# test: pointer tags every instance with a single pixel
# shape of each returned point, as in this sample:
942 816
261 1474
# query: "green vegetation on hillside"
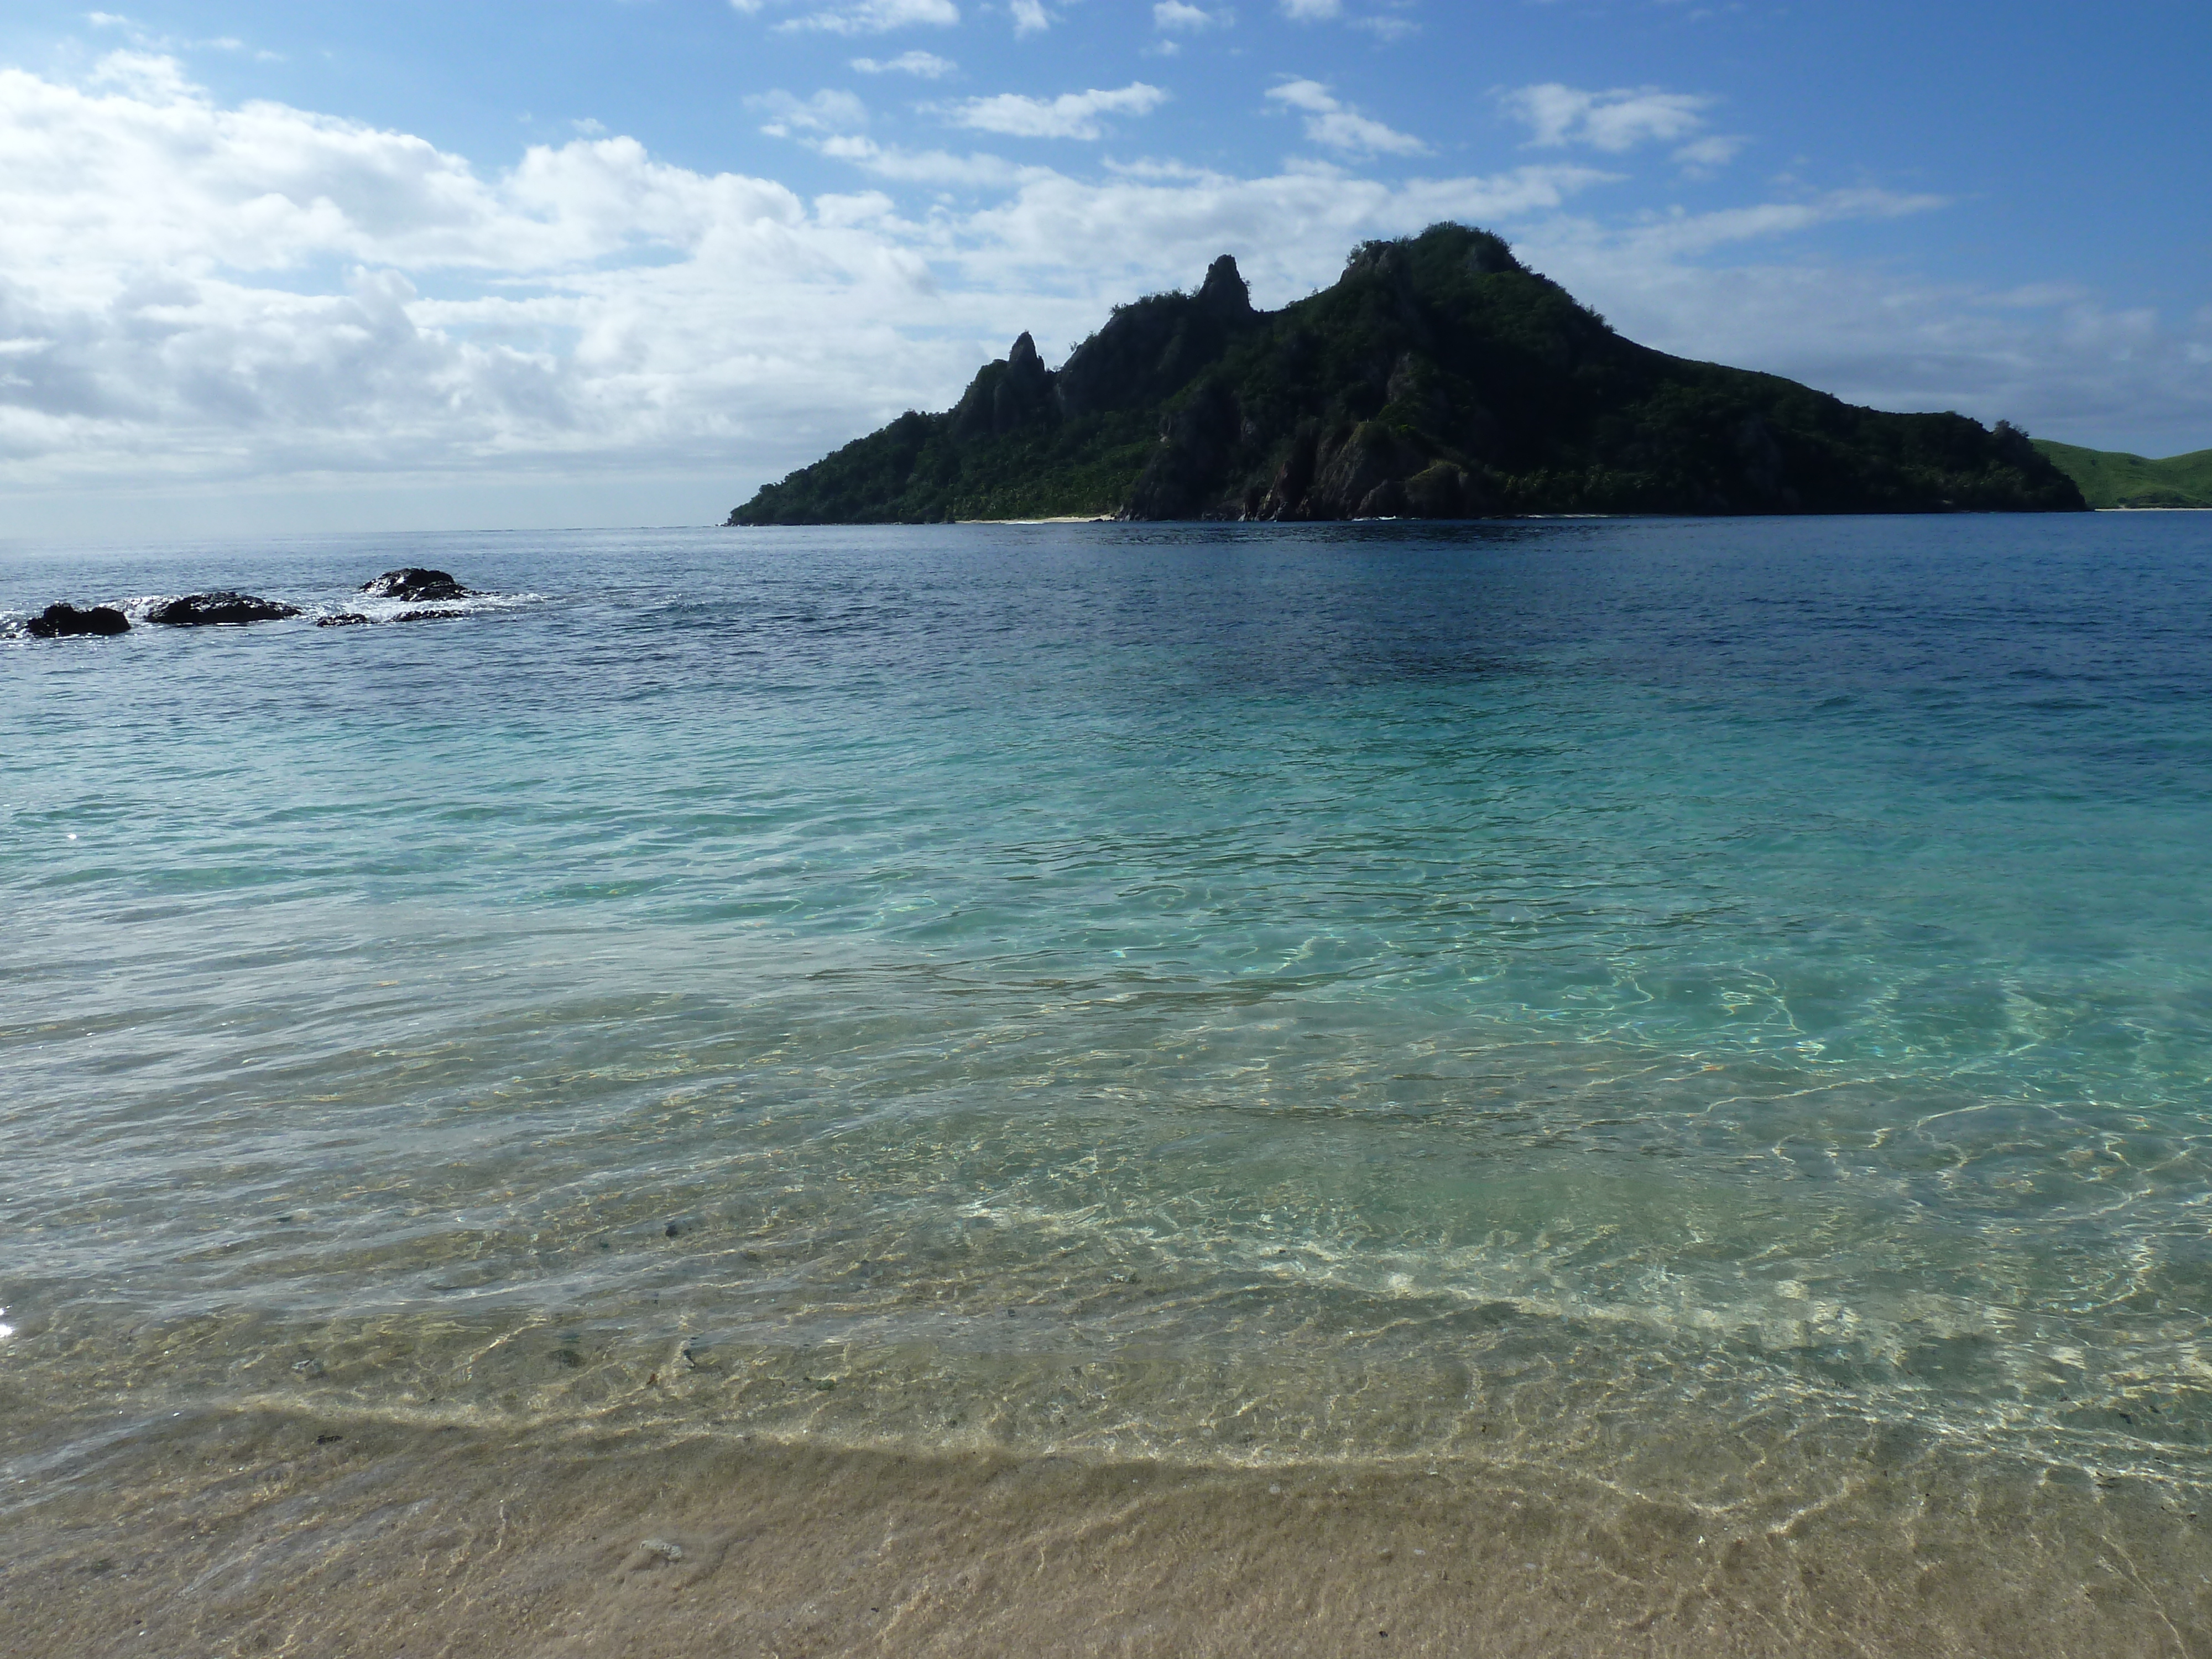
1438 378
2108 478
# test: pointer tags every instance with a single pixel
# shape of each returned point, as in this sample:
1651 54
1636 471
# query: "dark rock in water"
211 610
427 616
61 621
415 583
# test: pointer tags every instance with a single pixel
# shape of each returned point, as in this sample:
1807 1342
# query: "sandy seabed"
276 1534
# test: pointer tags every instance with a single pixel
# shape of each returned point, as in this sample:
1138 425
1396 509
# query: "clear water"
1691 1004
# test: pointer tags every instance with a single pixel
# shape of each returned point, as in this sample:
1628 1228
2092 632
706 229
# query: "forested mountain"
1438 378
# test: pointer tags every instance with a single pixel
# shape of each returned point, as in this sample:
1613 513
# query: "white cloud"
1388 27
1030 17
862 16
1707 155
2075 370
1290 232
1071 115
148 40
827 111
1680 235
1312 11
1178 17
926 65
976 171
1614 121
1341 127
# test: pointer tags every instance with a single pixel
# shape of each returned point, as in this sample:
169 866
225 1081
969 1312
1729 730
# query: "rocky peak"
1008 393
1025 370
1224 291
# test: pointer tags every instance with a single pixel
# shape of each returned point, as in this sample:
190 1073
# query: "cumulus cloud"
160 295
1312 11
1341 127
1030 17
1071 115
926 65
1616 121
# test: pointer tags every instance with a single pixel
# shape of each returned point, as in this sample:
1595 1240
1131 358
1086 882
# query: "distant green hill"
2108 478
1438 378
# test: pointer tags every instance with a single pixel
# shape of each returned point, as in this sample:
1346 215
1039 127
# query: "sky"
304 266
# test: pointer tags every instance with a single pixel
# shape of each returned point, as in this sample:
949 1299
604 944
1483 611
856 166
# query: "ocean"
1705 1020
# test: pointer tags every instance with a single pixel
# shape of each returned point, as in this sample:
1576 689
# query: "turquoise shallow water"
1682 1002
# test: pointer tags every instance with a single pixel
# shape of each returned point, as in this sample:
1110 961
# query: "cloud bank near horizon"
200 294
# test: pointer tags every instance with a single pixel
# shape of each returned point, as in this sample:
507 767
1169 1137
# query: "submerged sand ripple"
275 1534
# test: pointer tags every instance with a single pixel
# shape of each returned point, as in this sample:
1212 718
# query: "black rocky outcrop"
65 621
1437 377
415 583
219 608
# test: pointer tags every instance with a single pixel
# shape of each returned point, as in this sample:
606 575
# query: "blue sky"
310 266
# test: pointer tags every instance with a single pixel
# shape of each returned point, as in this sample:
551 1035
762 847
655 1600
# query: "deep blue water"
1653 991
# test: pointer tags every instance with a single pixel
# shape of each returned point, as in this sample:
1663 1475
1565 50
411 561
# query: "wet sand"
273 1533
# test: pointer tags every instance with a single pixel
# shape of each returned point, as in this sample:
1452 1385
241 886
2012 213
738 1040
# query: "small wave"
385 611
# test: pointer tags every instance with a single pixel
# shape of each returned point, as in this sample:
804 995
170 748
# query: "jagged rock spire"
1224 291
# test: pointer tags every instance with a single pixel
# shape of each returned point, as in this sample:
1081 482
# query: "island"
1438 378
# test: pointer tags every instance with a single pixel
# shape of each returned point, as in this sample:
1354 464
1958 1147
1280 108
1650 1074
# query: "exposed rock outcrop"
220 609
415 583
59 622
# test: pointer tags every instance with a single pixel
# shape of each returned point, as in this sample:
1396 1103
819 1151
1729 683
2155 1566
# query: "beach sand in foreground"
282 1534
